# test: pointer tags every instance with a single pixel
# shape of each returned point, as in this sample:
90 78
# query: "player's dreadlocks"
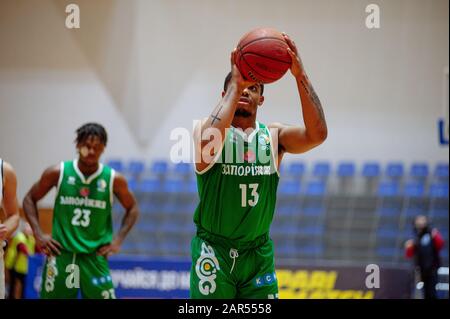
91 129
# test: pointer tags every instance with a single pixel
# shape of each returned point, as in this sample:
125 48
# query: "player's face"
90 150
250 100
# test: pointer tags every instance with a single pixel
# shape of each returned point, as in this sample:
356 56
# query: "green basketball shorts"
67 274
225 270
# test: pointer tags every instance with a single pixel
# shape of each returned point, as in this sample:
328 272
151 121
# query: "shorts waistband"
237 244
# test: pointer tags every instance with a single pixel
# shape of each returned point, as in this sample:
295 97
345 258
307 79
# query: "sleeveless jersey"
82 219
238 191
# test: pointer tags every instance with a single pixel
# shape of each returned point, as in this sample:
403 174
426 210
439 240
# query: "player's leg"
210 272
96 281
258 267
57 277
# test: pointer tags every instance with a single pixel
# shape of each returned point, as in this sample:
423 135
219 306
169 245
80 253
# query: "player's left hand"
3 231
110 249
296 66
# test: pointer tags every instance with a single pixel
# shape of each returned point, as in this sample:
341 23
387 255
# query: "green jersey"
238 191
82 218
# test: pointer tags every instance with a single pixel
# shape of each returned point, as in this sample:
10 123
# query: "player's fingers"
233 57
103 250
292 53
53 249
55 243
290 43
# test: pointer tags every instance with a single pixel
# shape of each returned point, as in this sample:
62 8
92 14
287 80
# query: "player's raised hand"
236 75
296 66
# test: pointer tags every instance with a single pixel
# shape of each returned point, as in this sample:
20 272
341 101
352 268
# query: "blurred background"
144 68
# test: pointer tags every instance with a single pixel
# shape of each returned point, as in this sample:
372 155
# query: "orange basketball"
262 55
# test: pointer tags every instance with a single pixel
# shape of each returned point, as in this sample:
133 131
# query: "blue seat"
387 252
419 171
183 168
117 207
286 249
414 189
150 185
313 209
346 169
289 229
282 169
159 167
387 233
144 226
317 230
296 169
170 208
444 233
388 189
289 187
394 170
116 164
439 190
190 187
284 209
173 186
371 169
310 250
132 184
170 248
171 228
149 207
322 169
441 171
315 188
414 210
136 167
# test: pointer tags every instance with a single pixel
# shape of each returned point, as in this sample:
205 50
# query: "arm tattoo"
216 117
314 98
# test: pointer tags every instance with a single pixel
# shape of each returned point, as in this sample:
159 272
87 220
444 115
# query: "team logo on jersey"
249 156
84 191
101 185
71 180
206 268
264 141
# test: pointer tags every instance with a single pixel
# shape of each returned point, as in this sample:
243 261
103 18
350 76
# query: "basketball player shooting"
232 254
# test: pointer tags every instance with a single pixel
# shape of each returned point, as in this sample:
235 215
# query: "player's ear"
223 93
261 100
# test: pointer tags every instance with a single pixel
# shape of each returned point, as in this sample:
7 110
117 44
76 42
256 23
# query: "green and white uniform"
232 254
82 222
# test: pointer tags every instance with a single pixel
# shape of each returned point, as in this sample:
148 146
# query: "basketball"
262 55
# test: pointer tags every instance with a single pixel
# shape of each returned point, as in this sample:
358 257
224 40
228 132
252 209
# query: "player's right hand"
48 245
236 75
3 231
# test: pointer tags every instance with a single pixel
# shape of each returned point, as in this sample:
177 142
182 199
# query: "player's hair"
91 129
228 79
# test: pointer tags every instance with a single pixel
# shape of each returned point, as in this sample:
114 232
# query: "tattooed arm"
210 133
298 139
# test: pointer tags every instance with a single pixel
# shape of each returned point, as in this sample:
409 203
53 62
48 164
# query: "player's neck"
87 170
244 123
